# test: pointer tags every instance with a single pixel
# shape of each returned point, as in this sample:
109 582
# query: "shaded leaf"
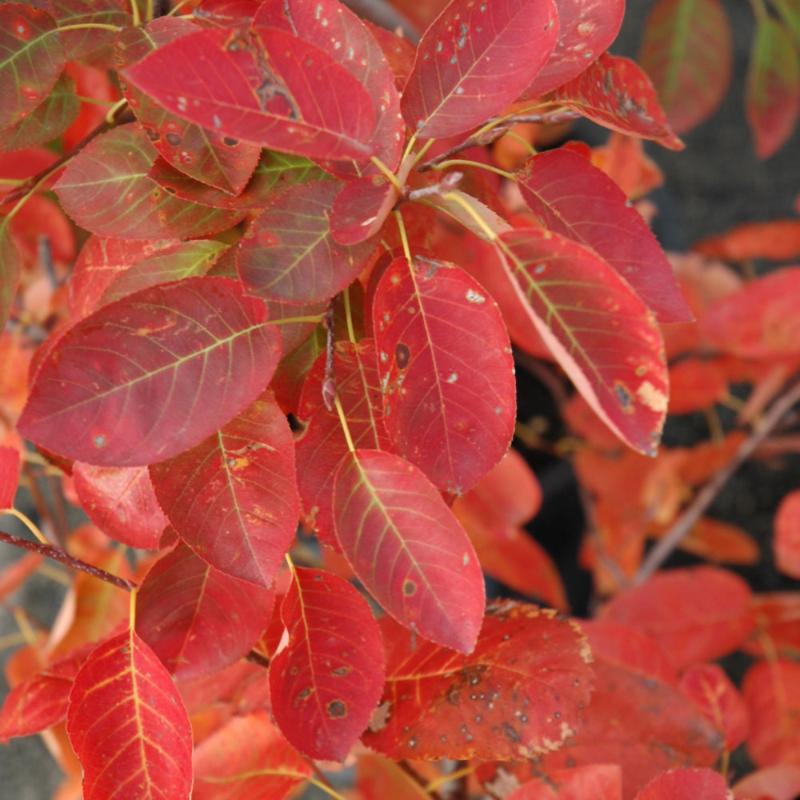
247 758
787 535
326 682
106 189
598 329
614 92
361 208
598 781
696 614
93 45
696 384
322 445
519 694
233 498
687 51
10 266
473 60
686 784
288 252
139 380
778 240
121 502
777 625
772 95
586 30
447 374
196 619
712 691
31 59
398 50
571 197
9 475
266 86
377 776
407 548
721 543
128 725
781 782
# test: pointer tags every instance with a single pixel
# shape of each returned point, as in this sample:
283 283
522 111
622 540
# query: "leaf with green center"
197 619
106 189
407 548
325 684
688 53
518 695
598 329
264 86
475 59
31 59
289 252
128 726
91 45
148 377
233 498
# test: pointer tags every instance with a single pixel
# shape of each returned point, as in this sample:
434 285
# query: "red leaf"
686 784
616 93
759 320
139 380
772 96
263 86
771 692
586 29
571 197
696 614
106 190
197 619
288 252
447 373
474 59
31 59
90 44
787 535
778 240
777 616
719 700
407 548
399 52
246 759
9 475
121 502
233 498
696 384
128 726
688 53
361 208
598 781
326 682
519 694
601 333
781 782
321 446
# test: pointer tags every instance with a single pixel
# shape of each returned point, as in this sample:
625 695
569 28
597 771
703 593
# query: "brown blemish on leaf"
409 587
402 355
337 709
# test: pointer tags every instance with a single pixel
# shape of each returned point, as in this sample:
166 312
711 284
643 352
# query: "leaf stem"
487 231
82 26
137 19
149 10
28 523
401 227
348 316
706 496
343 420
112 112
522 140
132 610
316 318
465 162
329 790
433 785
387 173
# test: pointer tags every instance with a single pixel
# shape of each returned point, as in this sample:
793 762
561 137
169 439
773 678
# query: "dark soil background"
714 184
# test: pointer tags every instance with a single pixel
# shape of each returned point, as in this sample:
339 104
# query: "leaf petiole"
465 162
401 227
27 522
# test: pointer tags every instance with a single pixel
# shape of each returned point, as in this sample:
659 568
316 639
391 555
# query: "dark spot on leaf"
230 141
173 139
409 587
337 709
152 134
623 396
340 672
402 355
510 732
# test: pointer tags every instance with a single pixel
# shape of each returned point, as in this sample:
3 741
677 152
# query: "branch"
706 496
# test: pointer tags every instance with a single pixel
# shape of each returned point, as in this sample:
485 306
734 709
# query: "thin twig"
706 496
418 779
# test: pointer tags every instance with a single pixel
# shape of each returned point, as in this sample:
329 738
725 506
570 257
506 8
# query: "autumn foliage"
266 269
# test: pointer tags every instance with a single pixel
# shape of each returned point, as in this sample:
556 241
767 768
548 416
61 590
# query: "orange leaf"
787 535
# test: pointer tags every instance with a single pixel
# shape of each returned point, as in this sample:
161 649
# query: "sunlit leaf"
624 160
9 475
696 614
196 619
106 189
128 725
616 93
121 502
288 252
265 86
686 784
571 197
519 694
447 374
326 682
321 445
474 60
772 97
598 329
233 497
598 781
407 548
787 535
586 30
688 53
245 759
147 377
31 59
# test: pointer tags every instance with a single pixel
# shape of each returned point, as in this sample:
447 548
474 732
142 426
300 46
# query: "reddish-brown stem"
706 496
